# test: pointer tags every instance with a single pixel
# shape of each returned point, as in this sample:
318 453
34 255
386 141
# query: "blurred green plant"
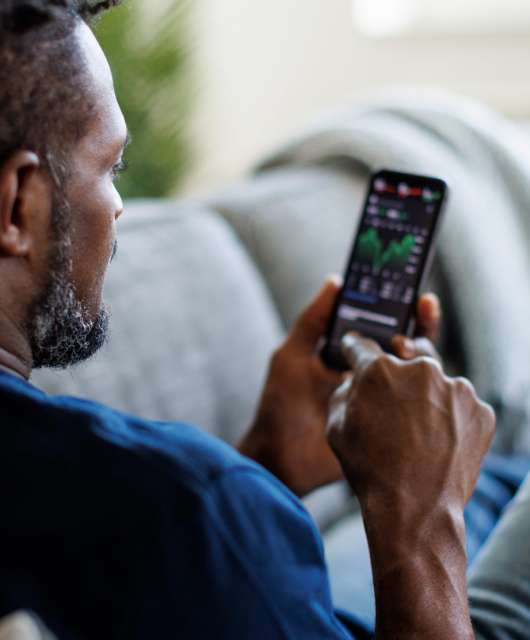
148 56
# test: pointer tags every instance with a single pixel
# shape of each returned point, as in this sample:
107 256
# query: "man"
115 527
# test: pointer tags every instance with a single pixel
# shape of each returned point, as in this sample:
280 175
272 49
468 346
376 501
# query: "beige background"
264 69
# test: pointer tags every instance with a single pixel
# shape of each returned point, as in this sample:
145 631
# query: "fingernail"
335 278
435 304
408 345
348 339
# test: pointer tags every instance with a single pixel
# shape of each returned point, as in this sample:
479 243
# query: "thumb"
428 316
313 321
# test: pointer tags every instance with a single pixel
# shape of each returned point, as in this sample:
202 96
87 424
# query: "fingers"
428 317
312 323
409 349
359 352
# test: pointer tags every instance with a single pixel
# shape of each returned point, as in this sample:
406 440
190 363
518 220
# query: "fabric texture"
499 584
192 326
483 256
150 530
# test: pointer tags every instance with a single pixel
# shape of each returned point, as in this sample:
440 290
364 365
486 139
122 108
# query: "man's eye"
118 169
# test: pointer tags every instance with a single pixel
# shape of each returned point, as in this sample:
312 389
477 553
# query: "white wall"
263 69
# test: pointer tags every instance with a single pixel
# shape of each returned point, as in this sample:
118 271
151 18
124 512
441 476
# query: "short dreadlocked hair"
44 104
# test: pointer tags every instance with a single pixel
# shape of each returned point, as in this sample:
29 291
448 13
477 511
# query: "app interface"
389 256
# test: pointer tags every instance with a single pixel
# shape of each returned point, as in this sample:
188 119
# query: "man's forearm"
259 450
419 574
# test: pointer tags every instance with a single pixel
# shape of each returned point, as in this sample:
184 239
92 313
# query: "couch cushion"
298 224
192 323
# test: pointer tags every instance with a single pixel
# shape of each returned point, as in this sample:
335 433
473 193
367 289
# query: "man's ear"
23 193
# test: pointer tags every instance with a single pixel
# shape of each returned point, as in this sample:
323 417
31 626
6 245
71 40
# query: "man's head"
62 136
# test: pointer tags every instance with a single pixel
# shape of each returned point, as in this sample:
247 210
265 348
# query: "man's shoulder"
115 442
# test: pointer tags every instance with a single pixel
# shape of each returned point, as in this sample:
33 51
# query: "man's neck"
14 365
15 351
11 372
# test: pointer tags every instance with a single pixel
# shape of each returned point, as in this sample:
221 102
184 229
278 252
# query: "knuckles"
385 369
380 369
489 413
465 388
489 419
427 366
485 415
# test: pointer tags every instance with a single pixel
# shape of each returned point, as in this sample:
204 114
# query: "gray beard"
60 328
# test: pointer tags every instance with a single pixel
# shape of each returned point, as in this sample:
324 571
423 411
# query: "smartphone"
389 262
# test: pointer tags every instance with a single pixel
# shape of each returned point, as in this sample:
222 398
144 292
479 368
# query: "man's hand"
411 441
288 436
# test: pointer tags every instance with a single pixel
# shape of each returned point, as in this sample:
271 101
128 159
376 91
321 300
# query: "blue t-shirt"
115 527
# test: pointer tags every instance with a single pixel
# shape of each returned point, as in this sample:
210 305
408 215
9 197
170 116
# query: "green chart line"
396 253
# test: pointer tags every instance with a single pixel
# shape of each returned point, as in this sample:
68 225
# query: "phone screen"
389 258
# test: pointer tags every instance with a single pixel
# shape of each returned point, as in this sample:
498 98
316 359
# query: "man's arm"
411 441
419 572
